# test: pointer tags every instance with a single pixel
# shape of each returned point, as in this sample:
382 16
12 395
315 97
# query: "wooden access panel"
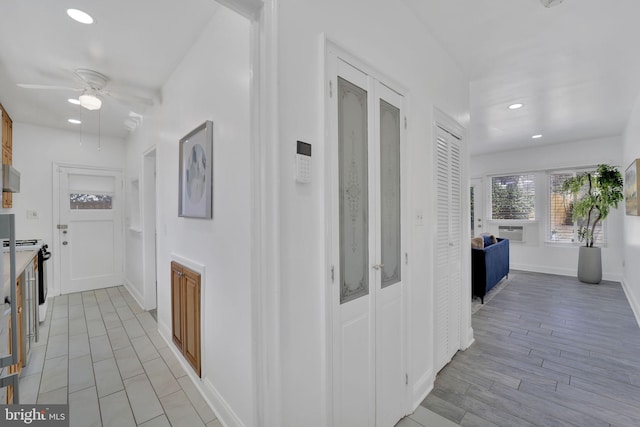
191 303
185 313
176 304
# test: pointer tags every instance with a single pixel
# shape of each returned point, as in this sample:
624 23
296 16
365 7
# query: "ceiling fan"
94 90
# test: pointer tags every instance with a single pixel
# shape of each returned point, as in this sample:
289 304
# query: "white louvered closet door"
448 255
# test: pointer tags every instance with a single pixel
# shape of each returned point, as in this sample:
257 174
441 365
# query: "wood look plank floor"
549 351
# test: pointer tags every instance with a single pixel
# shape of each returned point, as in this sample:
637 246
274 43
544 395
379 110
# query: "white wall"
631 246
386 35
35 149
211 83
535 254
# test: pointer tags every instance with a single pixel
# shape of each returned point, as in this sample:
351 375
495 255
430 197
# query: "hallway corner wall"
631 248
211 83
387 36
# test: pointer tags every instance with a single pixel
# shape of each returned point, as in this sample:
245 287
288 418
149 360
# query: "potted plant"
595 193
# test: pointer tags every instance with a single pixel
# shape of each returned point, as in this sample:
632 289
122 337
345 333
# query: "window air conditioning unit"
515 233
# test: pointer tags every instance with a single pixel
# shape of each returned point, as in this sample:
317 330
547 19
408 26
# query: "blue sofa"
488 266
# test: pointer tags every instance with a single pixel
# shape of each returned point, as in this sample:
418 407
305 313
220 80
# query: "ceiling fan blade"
49 87
131 99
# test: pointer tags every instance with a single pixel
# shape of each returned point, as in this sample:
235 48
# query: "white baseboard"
633 301
469 341
214 399
134 293
571 272
422 388
225 414
543 269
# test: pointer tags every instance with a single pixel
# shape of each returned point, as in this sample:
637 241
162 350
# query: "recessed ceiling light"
515 106
80 16
536 136
74 121
74 101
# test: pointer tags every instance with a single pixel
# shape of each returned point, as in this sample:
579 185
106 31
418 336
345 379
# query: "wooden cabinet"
18 367
185 313
176 304
7 151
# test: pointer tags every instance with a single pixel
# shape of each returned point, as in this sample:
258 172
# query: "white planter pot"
590 265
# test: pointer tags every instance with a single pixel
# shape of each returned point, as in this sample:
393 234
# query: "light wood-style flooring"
549 351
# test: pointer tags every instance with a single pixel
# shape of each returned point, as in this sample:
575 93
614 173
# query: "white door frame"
478 208
55 180
331 49
149 220
265 209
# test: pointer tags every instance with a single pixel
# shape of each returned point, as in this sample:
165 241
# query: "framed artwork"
631 184
196 173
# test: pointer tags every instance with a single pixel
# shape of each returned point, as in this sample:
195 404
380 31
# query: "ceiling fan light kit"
550 3
90 102
80 16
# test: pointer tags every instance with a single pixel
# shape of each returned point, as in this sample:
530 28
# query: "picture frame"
195 199
631 185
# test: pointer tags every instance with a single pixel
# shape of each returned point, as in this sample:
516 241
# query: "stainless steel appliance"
43 257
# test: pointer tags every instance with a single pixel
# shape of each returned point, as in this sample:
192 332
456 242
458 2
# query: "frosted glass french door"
369 370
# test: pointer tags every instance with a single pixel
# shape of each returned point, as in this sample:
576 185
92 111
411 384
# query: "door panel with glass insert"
368 307
90 229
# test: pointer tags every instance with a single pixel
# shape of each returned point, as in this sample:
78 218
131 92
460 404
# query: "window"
562 227
513 197
90 201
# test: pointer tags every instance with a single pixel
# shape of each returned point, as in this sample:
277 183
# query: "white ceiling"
576 66
136 44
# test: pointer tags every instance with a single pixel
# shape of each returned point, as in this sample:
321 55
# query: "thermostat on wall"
303 162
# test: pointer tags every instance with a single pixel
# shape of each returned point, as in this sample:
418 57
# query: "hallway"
101 353
549 350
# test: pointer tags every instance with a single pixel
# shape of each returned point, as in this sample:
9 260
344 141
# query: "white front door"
89 229
368 302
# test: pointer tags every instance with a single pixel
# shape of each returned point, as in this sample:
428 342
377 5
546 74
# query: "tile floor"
101 353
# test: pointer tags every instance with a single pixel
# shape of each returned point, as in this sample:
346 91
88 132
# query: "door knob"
378 266
65 243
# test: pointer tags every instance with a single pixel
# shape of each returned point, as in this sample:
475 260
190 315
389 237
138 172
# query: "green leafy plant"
595 193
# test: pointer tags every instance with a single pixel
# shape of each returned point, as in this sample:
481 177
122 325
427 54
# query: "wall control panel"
303 162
